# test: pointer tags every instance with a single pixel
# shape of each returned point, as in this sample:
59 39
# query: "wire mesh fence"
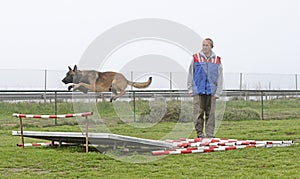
247 95
51 80
240 104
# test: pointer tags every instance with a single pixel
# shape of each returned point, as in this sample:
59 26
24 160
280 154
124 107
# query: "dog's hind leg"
117 95
114 93
119 84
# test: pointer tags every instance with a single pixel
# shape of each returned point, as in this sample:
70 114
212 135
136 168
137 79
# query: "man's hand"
215 97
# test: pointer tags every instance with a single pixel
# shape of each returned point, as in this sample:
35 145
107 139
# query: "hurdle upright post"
21 127
86 135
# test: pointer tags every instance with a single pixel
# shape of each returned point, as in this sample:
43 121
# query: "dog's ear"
70 68
75 68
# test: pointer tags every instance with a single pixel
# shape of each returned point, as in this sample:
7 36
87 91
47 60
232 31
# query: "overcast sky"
255 36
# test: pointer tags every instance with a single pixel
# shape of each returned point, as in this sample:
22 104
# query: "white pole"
45 85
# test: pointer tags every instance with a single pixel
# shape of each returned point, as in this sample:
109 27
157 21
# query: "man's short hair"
211 41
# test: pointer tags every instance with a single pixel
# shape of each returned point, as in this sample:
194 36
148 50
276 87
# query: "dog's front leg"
75 86
80 88
84 87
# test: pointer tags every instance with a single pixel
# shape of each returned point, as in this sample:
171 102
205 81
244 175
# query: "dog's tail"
140 84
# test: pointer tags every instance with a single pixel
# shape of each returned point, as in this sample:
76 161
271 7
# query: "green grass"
272 109
73 162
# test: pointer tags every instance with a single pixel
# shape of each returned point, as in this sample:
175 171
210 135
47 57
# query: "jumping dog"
91 80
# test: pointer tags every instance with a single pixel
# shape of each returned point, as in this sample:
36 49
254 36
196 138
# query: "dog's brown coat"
91 80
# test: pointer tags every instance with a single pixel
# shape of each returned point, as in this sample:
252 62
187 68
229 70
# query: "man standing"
205 84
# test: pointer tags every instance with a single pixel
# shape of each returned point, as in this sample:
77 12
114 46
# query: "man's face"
206 46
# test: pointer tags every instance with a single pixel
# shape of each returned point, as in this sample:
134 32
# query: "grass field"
73 162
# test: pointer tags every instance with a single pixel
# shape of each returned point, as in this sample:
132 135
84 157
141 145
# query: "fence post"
45 84
45 98
170 80
55 106
296 79
134 109
262 105
241 84
131 78
241 81
170 84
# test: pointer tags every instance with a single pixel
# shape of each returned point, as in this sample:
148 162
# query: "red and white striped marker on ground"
219 142
203 145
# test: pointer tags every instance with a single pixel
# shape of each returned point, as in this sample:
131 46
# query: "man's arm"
220 81
190 79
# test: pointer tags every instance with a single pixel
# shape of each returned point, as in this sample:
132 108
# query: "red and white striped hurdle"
84 114
204 145
34 144
42 144
53 116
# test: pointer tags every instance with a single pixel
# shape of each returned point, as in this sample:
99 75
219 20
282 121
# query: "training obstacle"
84 114
204 145
180 146
97 139
78 138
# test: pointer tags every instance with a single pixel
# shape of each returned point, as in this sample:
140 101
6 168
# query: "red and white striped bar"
220 142
42 144
53 116
203 149
34 144
203 145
